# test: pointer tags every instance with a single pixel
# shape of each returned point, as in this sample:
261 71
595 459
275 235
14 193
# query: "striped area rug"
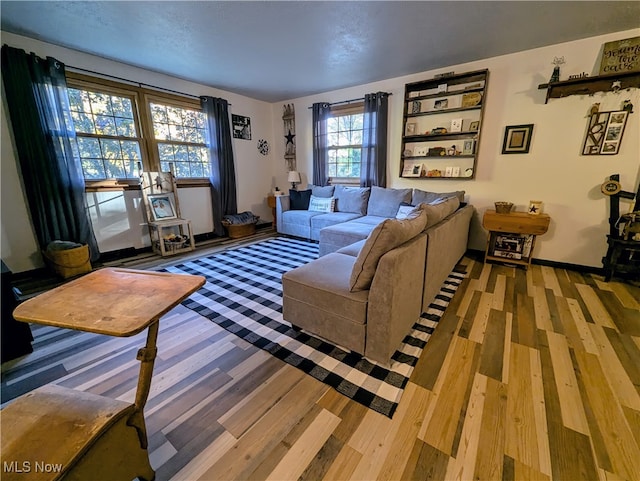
243 294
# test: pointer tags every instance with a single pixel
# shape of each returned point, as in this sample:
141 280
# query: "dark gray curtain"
373 166
36 93
223 173
321 112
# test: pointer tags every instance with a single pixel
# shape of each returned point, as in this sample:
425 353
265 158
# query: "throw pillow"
322 204
387 235
385 202
299 199
440 210
322 191
405 210
352 199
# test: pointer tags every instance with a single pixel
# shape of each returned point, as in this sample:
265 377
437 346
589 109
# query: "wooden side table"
85 435
271 202
512 236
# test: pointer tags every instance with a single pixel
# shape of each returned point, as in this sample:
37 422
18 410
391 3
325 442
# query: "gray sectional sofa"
377 273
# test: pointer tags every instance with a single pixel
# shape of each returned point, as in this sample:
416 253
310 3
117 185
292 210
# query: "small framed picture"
416 107
420 151
473 126
517 139
468 147
442 88
441 104
410 128
162 206
456 125
411 170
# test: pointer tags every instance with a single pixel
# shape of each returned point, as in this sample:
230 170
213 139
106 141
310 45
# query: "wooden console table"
512 236
80 435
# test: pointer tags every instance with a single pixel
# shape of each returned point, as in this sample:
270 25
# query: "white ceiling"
276 51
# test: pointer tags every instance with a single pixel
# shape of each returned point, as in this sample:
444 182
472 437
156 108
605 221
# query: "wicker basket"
240 230
69 262
503 207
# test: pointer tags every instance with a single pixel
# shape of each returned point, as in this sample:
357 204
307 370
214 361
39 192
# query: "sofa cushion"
325 282
352 199
385 202
321 191
322 204
299 217
373 220
299 199
440 210
352 249
386 236
424 197
340 235
329 219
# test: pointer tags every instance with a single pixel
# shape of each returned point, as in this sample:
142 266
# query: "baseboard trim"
479 255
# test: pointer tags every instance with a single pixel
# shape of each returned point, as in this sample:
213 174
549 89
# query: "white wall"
117 225
553 171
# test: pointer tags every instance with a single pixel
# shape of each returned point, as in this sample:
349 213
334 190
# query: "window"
180 136
344 136
107 134
118 126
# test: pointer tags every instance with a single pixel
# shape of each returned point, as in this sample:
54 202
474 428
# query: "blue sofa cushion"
385 202
352 199
299 199
321 191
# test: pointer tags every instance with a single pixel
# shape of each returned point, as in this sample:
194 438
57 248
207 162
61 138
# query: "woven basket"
69 262
503 207
240 230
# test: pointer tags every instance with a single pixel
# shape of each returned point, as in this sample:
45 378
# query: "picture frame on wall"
604 133
517 139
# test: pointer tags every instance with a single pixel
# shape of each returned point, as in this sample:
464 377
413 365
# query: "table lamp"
294 178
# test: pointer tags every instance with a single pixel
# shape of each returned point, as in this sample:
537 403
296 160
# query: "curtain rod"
139 84
349 101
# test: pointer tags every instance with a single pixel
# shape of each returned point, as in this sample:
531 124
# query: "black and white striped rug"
243 294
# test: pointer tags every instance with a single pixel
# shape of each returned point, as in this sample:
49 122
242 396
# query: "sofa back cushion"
438 210
424 197
322 204
352 199
321 191
388 235
385 202
299 199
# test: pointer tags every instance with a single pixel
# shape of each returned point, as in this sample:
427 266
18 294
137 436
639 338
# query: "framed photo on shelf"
410 128
162 206
411 170
441 104
473 126
456 125
468 147
420 151
517 139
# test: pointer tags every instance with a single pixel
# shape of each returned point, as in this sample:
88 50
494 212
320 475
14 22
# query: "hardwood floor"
529 375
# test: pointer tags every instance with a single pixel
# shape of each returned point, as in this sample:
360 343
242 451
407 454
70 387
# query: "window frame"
342 111
141 98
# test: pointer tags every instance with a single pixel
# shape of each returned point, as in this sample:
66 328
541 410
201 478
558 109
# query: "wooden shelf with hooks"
590 85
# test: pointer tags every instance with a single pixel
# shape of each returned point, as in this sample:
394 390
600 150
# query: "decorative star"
289 137
533 209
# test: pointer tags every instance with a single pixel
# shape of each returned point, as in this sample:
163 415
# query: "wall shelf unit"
590 85
441 126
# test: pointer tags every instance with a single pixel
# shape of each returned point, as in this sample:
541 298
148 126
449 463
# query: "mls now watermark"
30 467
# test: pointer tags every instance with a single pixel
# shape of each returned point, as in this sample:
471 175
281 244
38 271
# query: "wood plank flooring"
530 375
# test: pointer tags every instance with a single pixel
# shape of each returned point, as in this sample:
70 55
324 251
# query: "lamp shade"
294 176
